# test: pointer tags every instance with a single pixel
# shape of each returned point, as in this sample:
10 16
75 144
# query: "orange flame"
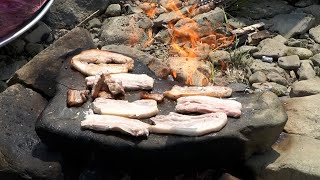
150 40
151 12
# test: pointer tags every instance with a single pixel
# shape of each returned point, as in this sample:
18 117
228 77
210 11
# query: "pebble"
257 77
219 55
38 33
94 23
289 62
113 10
33 48
303 53
306 70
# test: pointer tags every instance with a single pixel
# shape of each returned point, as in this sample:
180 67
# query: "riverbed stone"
315 33
113 10
303 115
289 62
22 154
303 53
316 59
257 77
277 78
306 70
271 47
41 71
293 157
36 35
126 30
276 88
257 129
293 24
219 55
305 87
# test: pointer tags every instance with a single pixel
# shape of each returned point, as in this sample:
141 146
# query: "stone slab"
294 157
22 155
303 115
261 123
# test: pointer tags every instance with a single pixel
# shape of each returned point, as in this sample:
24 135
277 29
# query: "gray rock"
278 89
271 48
8 70
293 76
165 18
40 73
314 10
17 45
257 77
303 53
290 25
219 55
289 62
266 68
303 115
213 17
316 59
277 78
263 120
238 87
306 70
38 33
293 157
315 33
156 65
94 23
34 48
3 86
305 88
263 9
126 30
245 49
23 156
113 10
305 3
66 14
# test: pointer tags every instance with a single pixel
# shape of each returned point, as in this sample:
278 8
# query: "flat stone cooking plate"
259 126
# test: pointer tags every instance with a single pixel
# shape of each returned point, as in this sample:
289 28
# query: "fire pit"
255 131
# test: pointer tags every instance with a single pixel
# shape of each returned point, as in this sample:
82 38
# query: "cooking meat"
114 86
213 91
94 61
76 97
97 86
115 123
188 125
104 94
155 96
138 109
206 104
128 81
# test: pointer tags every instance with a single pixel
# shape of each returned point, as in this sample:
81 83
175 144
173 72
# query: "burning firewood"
77 97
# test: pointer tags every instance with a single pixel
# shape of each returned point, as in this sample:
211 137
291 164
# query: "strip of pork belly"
115 123
187 125
139 109
127 80
104 57
205 104
212 91
90 69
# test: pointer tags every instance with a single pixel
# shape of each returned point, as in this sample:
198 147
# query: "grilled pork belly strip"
138 109
105 83
187 125
128 81
205 104
155 96
213 91
76 97
115 123
94 61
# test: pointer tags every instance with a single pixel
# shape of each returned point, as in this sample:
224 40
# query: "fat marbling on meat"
188 125
137 109
115 123
206 104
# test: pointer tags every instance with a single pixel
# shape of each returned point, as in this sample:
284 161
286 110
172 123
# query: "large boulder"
22 154
66 14
40 73
294 157
263 118
303 115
